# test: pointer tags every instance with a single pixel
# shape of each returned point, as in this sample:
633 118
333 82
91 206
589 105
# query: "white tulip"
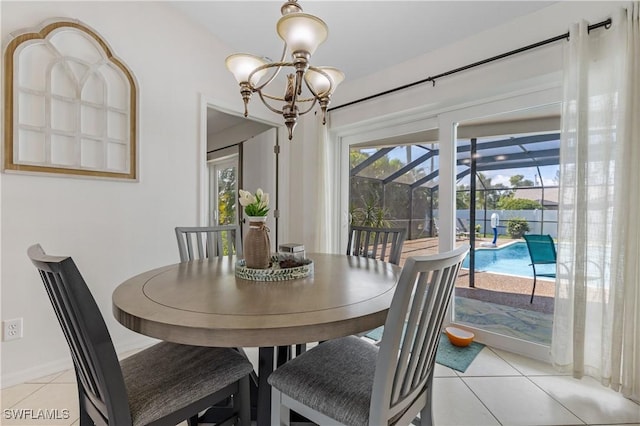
255 203
246 198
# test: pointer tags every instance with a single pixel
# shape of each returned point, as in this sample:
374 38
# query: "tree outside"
227 210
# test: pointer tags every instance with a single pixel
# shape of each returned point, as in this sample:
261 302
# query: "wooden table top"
204 303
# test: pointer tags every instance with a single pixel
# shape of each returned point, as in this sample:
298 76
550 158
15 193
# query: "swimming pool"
511 260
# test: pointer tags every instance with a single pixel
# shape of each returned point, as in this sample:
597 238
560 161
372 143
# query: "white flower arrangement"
254 205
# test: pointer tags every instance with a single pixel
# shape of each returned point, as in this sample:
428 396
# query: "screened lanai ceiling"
417 163
420 162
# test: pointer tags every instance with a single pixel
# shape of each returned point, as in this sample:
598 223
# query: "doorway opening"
224 134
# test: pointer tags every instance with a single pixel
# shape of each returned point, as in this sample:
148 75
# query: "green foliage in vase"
254 205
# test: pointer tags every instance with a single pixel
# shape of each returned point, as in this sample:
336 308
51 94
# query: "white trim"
36 372
521 101
510 344
344 139
62 364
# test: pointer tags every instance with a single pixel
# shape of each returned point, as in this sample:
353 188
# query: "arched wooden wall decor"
70 104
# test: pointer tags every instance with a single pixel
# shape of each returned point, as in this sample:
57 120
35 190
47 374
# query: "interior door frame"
260 115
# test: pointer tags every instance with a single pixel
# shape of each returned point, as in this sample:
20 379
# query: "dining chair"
202 242
164 384
378 243
542 251
353 382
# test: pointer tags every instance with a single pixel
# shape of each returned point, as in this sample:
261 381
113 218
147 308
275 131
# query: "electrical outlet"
12 329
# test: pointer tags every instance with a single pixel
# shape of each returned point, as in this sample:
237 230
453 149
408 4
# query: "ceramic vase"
257 246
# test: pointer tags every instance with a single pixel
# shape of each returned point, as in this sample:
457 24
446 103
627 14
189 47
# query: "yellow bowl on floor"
458 336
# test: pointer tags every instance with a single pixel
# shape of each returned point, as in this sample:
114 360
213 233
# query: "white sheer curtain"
596 328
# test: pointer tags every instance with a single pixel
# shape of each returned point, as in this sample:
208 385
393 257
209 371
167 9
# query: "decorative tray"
282 268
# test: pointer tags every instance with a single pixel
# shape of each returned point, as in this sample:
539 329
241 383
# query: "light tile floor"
499 388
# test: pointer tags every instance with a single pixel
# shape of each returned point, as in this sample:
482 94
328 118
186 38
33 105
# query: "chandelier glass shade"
306 85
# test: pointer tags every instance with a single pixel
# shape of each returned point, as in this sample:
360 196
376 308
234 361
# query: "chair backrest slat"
72 331
404 367
542 249
94 357
54 289
209 241
378 243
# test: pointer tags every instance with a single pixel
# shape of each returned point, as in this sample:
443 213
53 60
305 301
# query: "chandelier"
302 33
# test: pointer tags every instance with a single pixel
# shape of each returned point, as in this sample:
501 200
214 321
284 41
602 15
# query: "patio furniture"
463 228
202 242
542 251
161 385
377 243
204 303
353 382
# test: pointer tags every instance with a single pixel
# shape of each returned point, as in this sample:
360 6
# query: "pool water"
511 260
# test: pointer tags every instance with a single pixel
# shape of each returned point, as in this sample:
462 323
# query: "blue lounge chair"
542 251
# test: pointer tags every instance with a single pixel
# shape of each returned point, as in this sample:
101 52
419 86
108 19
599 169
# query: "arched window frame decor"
80 116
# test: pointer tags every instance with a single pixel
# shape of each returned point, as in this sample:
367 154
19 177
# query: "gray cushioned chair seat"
162 367
334 378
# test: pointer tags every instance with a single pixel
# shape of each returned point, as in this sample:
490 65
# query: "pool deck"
496 288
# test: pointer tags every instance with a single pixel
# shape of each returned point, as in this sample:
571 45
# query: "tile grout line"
536 385
481 401
559 402
42 385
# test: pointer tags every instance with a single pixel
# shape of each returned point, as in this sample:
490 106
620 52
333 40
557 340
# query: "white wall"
113 230
258 171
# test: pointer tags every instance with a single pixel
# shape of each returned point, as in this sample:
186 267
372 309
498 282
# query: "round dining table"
204 303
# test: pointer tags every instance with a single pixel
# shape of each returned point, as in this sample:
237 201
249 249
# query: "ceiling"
364 36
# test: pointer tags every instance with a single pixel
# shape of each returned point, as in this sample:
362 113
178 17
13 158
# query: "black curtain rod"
432 79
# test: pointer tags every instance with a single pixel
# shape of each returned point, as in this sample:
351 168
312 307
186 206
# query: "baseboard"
62 364
34 373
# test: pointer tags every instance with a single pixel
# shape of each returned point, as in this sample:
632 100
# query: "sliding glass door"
506 174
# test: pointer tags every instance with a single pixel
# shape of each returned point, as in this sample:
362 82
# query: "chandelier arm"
279 65
310 107
279 98
277 70
267 104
